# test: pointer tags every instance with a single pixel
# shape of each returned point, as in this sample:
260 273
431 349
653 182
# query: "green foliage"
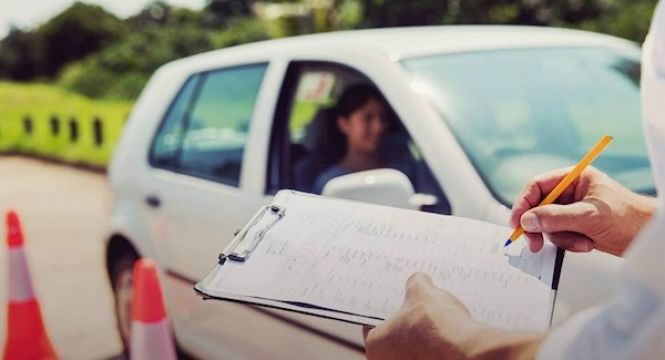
121 70
21 56
381 13
220 12
41 103
76 32
240 31
92 52
627 19
73 34
624 18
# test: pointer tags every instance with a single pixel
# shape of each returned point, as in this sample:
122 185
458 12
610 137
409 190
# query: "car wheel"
121 280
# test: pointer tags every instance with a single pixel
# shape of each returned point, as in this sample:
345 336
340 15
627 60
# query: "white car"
476 111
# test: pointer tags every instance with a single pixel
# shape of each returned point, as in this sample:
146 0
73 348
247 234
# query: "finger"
575 217
366 330
419 278
571 241
535 241
376 338
534 192
418 286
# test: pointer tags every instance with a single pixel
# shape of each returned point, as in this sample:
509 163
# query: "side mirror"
382 186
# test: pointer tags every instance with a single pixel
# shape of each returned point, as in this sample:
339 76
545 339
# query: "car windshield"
521 112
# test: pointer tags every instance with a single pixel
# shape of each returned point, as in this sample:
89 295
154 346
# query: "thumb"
366 330
418 287
556 218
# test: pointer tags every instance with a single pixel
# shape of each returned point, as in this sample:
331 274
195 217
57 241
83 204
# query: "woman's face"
364 128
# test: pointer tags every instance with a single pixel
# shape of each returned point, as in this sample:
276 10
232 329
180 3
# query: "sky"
28 14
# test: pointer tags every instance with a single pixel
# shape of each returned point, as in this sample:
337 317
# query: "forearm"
493 343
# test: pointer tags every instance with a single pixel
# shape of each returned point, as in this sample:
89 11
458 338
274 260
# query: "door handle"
153 201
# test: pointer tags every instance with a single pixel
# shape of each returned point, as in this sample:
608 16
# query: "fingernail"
530 222
582 246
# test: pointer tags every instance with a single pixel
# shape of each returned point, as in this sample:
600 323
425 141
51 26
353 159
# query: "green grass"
41 102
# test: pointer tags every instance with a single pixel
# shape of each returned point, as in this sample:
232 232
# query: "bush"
121 70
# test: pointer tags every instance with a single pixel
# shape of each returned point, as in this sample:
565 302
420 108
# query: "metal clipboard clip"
249 237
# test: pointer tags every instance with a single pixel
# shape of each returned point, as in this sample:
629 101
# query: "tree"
153 14
219 12
382 13
623 18
20 55
77 32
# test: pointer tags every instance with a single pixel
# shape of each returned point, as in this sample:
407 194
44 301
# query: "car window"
218 123
312 146
315 90
542 109
167 141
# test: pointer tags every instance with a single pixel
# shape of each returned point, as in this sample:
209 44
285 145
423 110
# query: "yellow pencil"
566 181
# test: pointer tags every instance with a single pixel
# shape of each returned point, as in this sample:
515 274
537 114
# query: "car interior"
301 150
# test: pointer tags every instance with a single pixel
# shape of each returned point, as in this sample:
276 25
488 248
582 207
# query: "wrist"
646 206
643 207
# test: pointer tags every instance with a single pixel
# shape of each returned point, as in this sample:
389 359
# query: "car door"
197 189
197 197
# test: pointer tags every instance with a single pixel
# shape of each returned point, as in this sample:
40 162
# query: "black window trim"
278 152
162 123
184 122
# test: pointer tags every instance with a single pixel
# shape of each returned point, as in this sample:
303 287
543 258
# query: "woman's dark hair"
355 96
334 142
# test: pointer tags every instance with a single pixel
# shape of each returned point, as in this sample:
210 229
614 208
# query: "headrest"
322 131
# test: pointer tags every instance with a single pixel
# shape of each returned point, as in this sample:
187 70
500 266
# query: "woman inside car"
361 119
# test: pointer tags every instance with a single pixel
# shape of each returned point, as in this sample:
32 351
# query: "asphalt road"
63 211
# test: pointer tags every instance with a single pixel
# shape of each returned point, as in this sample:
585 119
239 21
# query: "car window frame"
184 122
279 139
162 122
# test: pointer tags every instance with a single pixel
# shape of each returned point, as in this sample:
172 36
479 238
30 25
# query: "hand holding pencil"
594 211
566 181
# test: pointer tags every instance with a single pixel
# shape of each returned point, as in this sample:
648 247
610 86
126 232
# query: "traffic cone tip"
147 302
14 233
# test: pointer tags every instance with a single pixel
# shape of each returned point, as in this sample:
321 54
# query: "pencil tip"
507 243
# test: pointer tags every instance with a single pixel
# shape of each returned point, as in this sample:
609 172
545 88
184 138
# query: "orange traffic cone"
150 334
26 334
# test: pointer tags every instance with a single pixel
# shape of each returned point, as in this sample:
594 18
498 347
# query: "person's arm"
434 324
595 212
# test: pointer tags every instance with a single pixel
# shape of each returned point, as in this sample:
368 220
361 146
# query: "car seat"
324 145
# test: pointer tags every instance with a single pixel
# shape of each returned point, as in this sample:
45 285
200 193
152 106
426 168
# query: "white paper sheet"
355 258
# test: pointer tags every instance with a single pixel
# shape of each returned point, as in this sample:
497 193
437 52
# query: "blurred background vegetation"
86 65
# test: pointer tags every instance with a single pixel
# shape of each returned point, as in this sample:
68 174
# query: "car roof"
407 42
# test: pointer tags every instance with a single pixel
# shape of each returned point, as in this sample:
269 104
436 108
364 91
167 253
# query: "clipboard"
247 240
240 249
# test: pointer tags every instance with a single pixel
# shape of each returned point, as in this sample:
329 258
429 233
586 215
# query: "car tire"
121 281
